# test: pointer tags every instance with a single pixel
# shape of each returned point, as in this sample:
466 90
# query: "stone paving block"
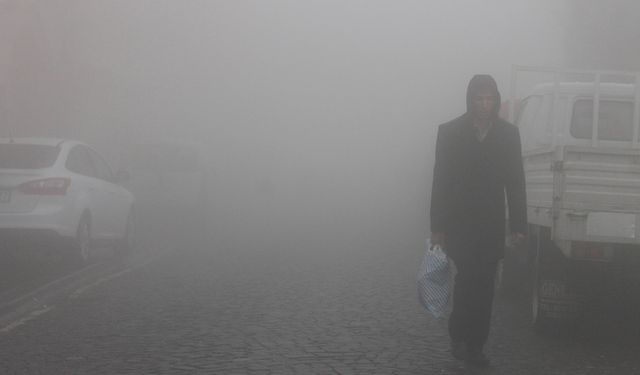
354 312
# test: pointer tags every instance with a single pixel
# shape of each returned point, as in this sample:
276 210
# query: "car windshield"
26 156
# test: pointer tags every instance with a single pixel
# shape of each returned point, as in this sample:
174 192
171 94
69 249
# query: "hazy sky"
319 55
319 114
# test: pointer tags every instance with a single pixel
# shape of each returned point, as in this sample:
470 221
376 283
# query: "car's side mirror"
123 176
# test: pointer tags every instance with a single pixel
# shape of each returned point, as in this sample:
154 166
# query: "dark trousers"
470 318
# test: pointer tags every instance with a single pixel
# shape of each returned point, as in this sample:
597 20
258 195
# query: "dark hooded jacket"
470 181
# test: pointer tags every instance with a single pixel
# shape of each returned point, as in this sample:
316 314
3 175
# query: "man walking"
478 160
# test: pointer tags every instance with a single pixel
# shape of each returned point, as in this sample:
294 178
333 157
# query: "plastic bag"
434 282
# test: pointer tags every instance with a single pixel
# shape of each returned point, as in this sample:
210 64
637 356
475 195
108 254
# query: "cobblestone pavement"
338 311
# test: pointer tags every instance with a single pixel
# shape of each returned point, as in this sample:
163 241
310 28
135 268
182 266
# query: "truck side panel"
593 193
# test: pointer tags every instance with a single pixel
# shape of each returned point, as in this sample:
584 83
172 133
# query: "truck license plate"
611 224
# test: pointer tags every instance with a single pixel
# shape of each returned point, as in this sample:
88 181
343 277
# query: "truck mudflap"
555 302
565 290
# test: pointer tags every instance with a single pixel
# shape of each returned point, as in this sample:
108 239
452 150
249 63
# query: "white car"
55 191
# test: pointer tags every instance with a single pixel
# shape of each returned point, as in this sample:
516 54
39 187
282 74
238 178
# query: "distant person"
478 159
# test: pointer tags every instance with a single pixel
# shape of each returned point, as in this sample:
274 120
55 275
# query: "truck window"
615 120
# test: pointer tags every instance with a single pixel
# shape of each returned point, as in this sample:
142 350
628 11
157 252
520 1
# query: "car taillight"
46 186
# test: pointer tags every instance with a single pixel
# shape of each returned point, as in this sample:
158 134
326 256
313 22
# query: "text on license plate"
5 196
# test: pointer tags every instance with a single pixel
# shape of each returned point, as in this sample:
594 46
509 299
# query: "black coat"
469 184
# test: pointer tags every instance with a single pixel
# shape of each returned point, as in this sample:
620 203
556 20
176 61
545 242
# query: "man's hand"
437 238
517 239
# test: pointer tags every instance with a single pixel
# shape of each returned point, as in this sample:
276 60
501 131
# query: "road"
197 309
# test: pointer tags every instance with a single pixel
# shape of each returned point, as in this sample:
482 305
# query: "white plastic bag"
434 282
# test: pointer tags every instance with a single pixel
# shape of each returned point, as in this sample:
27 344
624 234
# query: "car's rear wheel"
82 243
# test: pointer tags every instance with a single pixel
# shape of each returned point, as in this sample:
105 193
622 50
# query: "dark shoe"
477 358
459 350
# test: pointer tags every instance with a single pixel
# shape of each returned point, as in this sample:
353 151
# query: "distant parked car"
169 179
56 191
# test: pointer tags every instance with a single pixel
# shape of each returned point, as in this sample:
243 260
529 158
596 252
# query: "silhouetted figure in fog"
478 159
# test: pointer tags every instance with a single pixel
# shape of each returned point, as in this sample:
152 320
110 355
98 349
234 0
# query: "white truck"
581 154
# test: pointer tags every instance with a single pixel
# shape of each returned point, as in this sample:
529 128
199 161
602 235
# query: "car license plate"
5 196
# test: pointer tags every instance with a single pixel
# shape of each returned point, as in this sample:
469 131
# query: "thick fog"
318 116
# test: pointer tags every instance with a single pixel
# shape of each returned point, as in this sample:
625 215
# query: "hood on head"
481 82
